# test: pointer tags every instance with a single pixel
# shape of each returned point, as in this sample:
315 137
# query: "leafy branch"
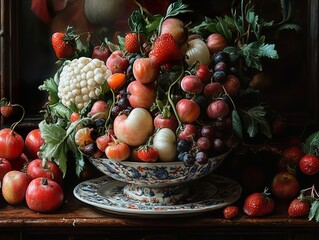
244 30
58 141
253 119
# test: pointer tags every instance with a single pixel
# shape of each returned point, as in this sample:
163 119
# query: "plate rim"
149 212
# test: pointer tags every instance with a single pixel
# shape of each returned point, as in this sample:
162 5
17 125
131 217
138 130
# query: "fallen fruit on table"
299 208
5 166
285 186
44 195
231 212
259 204
47 169
13 187
33 142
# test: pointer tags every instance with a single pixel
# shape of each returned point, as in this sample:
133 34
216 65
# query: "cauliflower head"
80 81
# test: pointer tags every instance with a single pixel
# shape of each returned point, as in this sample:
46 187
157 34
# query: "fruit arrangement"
291 187
168 90
24 177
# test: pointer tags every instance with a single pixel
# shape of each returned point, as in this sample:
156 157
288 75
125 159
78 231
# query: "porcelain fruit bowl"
156 183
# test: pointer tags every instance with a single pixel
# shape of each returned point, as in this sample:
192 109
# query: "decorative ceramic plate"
209 193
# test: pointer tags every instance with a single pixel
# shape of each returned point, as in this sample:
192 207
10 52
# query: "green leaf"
59 109
55 147
254 121
314 211
137 22
252 19
233 52
310 146
237 125
79 162
153 23
222 28
176 8
254 51
51 87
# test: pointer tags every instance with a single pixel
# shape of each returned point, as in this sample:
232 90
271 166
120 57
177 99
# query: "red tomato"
50 170
11 144
117 151
38 193
33 142
74 117
147 154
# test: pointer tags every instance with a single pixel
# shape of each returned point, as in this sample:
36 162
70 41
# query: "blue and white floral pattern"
206 194
156 174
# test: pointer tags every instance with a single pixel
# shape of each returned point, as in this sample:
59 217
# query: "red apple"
169 122
49 169
5 166
145 70
141 95
285 186
20 163
175 27
134 129
33 142
14 186
116 62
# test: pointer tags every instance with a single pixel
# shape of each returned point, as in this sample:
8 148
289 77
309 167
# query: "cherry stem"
13 126
229 97
171 101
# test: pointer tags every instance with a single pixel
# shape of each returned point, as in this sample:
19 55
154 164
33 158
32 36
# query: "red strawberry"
259 204
165 49
309 164
230 212
64 43
133 42
299 208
